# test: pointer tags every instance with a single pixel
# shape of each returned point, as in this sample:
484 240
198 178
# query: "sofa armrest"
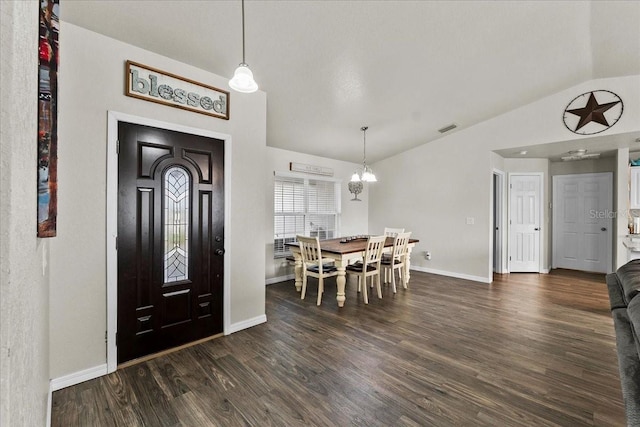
616 296
629 278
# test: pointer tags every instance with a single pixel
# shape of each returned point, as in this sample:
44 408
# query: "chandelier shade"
242 80
366 173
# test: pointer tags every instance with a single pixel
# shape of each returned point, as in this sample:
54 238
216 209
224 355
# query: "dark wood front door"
170 239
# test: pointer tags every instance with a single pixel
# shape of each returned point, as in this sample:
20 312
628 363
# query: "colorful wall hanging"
48 118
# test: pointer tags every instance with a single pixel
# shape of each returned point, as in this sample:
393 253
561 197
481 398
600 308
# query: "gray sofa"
624 296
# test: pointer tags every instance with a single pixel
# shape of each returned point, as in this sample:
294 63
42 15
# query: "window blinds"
307 206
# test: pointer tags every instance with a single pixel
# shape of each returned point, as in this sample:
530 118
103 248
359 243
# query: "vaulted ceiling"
404 68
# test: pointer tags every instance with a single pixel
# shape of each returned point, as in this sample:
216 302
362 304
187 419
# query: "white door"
582 222
524 223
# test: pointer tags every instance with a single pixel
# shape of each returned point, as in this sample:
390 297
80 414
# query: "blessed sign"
165 88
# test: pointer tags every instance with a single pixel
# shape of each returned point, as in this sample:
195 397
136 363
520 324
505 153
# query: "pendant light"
242 80
366 174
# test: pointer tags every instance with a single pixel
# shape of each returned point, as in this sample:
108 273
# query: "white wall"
24 276
354 216
433 188
92 83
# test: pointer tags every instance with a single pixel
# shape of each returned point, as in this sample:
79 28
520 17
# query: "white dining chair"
397 260
312 265
370 266
390 232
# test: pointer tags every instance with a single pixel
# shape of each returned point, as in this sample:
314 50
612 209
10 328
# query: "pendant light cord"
364 145
243 32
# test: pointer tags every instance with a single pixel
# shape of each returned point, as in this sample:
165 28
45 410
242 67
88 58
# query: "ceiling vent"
448 128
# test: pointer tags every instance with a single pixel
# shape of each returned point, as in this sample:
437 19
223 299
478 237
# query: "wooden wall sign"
154 85
317 170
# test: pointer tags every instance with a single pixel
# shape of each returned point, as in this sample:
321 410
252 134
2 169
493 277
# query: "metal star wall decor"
593 112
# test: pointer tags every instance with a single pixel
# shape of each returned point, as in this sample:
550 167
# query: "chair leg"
304 286
393 280
378 282
359 285
364 290
320 290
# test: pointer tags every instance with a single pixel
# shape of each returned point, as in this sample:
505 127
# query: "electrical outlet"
471 220
427 255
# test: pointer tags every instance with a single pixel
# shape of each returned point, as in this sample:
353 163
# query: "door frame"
113 117
541 213
497 201
554 237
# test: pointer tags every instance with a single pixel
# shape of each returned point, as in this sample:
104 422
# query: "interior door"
582 222
170 239
524 223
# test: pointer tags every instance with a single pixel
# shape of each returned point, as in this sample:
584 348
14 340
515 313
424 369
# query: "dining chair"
397 260
312 264
370 266
390 232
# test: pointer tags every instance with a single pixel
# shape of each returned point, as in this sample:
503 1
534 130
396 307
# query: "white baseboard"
78 377
452 274
247 323
280 279
545 271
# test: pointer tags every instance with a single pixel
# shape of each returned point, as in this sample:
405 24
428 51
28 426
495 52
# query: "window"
307 206
176 224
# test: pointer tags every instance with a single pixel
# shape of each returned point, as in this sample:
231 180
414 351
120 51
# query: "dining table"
342 251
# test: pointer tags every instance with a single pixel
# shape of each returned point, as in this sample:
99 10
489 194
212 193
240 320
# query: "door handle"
536 229
219 251
603 229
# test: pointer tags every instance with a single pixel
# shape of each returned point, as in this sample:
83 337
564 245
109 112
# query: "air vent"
448 128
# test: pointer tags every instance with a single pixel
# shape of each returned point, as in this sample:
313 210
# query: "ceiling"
404 68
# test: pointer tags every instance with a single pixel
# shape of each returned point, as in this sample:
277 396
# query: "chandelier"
242 80
365 174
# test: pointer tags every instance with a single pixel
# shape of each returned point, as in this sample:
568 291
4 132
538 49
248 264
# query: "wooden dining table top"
356 245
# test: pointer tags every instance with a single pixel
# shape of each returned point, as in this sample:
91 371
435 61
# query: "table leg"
341 281
298 271
407 263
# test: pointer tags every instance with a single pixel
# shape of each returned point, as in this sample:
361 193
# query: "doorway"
194 164
497 224
525 219
582 235
170 239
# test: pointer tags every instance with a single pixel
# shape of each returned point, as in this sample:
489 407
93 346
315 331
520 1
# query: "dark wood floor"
528 350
